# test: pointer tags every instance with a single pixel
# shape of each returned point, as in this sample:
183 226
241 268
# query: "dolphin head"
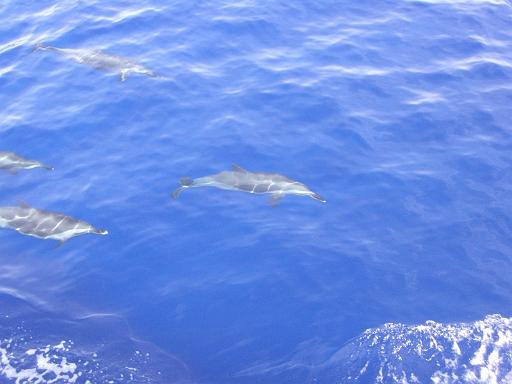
300 189
316 196
99 231
36 164
95 231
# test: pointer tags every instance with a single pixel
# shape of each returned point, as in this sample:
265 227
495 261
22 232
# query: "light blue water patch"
397 114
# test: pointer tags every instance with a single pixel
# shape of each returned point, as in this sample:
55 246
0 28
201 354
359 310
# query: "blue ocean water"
397 112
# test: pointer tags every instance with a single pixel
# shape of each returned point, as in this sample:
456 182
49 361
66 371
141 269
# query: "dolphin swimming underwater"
240 179
100 60
44 224
12 163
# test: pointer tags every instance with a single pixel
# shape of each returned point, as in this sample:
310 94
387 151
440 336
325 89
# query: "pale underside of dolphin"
100 60
44 224
12 163
242 180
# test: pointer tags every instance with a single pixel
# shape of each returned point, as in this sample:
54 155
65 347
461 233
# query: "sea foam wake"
65 355
477 352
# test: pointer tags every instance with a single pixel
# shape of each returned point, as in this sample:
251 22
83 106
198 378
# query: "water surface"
398 114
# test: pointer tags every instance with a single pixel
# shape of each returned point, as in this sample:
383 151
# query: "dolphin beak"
316 196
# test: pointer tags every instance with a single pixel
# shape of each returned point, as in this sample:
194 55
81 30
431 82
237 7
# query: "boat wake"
477 352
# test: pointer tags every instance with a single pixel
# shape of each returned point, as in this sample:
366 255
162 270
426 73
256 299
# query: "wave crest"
477 352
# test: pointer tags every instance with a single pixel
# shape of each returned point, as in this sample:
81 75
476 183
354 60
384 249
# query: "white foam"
24 360
477 352
47 365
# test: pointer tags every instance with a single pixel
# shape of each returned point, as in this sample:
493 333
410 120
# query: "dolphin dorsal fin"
237 168
23 204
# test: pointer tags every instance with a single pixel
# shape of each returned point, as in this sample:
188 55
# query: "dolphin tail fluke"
177 192
186 182
275 199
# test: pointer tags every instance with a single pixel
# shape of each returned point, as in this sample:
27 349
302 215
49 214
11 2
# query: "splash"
477 352
27 359
38 365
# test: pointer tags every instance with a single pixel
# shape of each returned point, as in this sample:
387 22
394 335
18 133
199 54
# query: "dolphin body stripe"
44 224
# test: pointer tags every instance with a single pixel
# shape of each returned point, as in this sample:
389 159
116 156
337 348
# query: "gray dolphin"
44 224
100 60
240 179
12 163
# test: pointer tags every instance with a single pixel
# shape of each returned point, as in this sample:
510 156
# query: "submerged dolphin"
100 60
44 224
12 163
240 179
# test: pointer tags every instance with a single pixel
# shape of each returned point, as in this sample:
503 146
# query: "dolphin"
12 163
240 179
44 224
100 60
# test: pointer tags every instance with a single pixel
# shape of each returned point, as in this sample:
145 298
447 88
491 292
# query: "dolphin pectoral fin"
275 199
12 171
237 168
123 76
59 244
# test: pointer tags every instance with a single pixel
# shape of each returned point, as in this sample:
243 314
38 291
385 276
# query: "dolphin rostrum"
44 224
240 179
12 163
100 60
